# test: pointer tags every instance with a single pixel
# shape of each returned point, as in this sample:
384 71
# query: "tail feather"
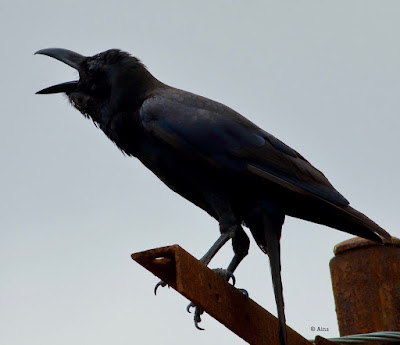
343 218
265 222
363 226
273 251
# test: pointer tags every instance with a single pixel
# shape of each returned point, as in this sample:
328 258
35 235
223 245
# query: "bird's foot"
197 315
225 274
198 311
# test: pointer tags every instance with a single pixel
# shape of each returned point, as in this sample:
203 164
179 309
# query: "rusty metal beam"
214 295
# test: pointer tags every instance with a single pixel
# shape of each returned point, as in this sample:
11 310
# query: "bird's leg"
240 244
227 226
219 243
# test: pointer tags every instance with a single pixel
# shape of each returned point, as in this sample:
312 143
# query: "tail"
359 224
273 249
343 218
265 222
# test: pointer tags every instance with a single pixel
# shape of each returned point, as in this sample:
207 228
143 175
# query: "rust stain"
215 296
366 285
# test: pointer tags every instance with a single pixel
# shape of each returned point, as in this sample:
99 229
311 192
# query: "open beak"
70 58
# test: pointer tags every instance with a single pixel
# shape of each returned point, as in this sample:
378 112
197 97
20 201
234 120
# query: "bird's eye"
91 71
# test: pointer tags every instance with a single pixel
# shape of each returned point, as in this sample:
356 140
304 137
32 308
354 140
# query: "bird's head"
107 81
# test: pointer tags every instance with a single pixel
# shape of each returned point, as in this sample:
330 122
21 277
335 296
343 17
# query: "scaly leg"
240 244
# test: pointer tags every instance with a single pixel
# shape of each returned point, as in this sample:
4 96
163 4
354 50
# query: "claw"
160 283
197 326
198 311
244 292
197 318
197 315
190 305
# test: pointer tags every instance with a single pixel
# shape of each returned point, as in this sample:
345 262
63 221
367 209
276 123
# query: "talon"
244 292
190 305
197 326
160 283
227 275
197 318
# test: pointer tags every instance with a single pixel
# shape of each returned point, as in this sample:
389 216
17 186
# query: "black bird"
210 155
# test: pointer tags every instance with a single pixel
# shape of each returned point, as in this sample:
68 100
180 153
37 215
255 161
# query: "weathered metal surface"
366 286
214 295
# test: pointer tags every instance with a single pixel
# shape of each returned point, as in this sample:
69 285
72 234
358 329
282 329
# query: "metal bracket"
209 291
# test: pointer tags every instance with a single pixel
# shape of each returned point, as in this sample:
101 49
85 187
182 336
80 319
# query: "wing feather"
220 136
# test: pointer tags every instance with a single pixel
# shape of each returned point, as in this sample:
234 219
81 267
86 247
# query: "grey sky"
322 76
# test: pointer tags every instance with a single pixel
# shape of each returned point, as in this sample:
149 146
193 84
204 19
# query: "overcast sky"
322 76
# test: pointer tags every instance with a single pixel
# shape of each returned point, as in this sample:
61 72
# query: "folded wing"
221 137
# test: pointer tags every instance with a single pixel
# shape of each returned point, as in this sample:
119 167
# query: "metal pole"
366 286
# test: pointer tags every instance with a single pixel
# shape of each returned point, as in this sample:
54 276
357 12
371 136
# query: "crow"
211 155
